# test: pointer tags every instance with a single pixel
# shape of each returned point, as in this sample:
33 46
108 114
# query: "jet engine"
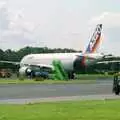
25 71
32 71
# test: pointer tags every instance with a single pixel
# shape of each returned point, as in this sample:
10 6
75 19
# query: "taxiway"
25 93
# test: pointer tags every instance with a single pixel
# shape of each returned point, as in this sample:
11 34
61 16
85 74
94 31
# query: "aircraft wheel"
71 75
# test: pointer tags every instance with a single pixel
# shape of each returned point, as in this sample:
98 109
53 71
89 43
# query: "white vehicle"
72 62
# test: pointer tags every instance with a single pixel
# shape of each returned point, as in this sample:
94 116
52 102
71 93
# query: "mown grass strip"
28 81
80 110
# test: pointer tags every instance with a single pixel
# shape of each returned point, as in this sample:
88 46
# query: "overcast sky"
59 23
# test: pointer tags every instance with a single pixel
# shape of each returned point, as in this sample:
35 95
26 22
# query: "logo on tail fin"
95 40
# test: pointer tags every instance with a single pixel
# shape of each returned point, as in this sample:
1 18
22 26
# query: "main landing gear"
71 75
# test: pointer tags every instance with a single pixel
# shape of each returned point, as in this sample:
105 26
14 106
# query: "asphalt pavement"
24 93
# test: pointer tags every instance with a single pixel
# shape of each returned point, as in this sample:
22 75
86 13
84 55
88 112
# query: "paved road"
20 93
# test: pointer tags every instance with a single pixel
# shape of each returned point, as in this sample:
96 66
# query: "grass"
27 81
93 76
81 78
79 110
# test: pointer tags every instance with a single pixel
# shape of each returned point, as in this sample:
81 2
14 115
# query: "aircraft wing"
45 66
106 62
41 65
109 59
37 65
11 62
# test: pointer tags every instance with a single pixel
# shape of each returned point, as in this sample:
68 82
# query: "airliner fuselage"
70 61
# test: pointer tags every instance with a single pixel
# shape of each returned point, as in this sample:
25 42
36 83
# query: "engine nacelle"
32 72
24 71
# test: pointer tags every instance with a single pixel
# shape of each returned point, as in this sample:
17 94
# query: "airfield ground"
72 110
61 101
28 81
80 79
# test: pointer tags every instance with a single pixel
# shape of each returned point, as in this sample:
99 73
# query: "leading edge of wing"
10 62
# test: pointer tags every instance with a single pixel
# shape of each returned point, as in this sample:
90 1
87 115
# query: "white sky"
59 23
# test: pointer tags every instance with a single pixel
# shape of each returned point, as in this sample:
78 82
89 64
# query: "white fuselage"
67 59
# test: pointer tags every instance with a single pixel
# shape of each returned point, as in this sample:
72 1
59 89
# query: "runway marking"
58 99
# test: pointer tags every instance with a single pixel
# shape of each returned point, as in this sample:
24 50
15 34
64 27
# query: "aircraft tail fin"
95 40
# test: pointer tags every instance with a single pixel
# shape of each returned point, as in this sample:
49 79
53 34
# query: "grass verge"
81 79
94 76
28 81
80 110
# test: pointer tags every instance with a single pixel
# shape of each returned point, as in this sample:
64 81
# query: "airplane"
72 62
